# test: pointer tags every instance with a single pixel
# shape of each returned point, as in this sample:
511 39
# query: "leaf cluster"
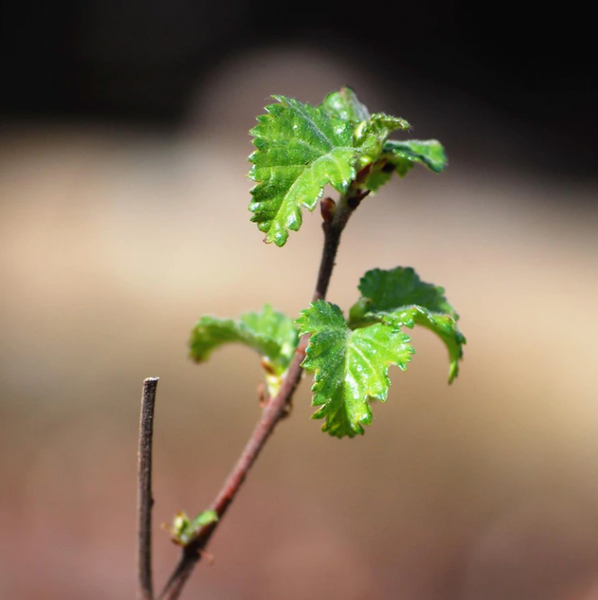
299 150
349 357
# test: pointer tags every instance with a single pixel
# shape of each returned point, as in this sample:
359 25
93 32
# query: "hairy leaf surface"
351 367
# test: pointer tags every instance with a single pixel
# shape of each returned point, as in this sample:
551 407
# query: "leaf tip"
453 372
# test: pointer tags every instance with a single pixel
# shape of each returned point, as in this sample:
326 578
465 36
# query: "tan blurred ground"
113 242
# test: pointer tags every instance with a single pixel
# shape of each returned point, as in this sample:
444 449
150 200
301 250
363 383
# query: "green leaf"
403 154
371 131
380 173
271 334
370 136
205 518
183 529
398 298
345 106
299 150
351 367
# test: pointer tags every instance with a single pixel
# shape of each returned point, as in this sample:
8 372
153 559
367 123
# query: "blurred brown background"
123 218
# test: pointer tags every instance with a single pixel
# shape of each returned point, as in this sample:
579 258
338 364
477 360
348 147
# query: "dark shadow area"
141 62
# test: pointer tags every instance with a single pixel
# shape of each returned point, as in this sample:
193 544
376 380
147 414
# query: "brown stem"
145 500
273 412
332 237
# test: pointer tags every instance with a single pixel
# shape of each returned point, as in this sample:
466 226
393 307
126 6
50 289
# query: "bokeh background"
123 218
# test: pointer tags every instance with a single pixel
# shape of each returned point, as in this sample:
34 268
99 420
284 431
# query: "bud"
327 208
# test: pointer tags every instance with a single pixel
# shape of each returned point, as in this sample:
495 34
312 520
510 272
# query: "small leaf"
380 172
351 367
204 518
427 152
299 150
183 529
398 298
371 131
271 334
387 289
370 136
345 106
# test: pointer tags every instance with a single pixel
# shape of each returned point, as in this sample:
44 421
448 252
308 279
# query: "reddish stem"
273 412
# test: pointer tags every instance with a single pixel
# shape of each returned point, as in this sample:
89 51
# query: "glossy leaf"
370 136
351 367
271 334
345 106
403 154
398 298
299 150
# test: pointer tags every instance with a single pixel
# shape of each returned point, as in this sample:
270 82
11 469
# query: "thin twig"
273 412
145 500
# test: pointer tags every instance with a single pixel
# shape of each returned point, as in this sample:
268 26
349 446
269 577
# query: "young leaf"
398 298
272 334
379 174
403 154
371 131
351 367
345 106
370 136
183 529
299 150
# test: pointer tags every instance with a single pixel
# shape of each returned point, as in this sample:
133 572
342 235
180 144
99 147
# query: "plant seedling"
299 150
